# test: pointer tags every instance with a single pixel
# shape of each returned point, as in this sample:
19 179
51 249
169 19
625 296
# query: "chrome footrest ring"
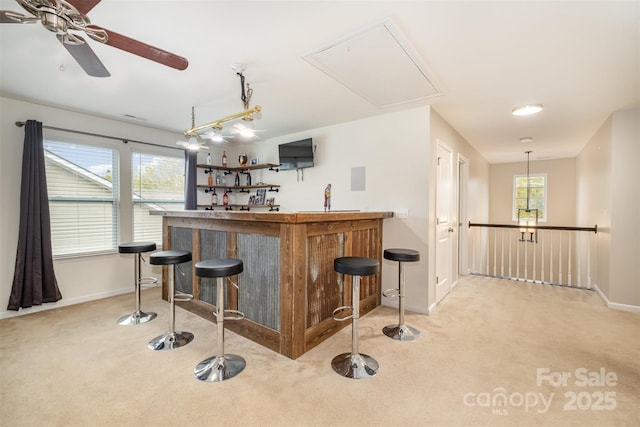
238 315
391 293
342 308
182 297
148 282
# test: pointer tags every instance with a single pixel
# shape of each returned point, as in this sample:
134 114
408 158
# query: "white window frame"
83 250
124 205
545 210
159 204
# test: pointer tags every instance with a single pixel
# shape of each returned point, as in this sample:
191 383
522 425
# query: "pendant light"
528 218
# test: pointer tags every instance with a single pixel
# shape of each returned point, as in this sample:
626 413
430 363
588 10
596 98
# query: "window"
82 184
537 195
157 184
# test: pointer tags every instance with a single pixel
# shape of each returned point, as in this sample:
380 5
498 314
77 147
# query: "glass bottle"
210 179
208 158
237 181
214 198
248 179
225 199
224 159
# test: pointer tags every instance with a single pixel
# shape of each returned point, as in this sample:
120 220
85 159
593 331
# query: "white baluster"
560 258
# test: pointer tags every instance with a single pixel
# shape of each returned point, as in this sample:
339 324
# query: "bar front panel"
259 283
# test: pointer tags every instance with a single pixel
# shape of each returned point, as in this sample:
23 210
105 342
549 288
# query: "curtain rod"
124 140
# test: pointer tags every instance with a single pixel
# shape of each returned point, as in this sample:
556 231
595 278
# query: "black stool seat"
136 247
402 255
222 267
356 266
170 257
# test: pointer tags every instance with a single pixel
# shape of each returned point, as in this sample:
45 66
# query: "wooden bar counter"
288 288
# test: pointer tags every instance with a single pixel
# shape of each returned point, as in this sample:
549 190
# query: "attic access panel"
378 65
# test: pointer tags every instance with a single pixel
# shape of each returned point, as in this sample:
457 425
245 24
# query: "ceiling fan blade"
142 49
85 57
83 6
11 17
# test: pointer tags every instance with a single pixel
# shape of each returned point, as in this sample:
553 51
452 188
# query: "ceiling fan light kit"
63 16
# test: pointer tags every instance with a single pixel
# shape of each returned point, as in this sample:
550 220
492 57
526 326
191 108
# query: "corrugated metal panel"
181 240
213 244
259 284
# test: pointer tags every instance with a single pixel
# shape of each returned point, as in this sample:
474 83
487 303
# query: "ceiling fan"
63 16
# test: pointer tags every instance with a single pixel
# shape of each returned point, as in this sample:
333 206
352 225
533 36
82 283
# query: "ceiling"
580 59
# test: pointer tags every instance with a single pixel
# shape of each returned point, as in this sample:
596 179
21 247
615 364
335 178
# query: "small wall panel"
259 283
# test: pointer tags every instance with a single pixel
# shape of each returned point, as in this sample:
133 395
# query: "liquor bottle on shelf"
208 158
214 198
225 199
210 179
237 181
224 159
248 179
218 178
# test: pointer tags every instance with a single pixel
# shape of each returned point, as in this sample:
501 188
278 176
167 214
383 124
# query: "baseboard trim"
410 308
616 305
64 302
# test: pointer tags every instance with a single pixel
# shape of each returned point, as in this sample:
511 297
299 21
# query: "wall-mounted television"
296 154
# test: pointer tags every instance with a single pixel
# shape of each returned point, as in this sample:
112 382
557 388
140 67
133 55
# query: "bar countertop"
283 217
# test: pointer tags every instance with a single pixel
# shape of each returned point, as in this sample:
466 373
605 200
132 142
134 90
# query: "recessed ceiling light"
525 110
526 139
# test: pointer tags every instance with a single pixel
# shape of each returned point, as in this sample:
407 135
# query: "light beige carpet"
495 353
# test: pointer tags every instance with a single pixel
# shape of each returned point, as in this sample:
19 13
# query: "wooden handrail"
536 227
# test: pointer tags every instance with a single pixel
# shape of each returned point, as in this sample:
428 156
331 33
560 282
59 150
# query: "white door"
444 217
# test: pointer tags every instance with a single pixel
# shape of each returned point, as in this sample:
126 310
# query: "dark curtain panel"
191 180
34 281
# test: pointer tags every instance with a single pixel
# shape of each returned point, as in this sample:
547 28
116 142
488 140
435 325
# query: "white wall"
477 197
79 279
593 198
608 184
625 209
561 190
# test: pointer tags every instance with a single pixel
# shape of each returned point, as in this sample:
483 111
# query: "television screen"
296 155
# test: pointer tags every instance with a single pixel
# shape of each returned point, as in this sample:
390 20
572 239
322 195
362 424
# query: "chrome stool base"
401 332
171 340
136 318
355 366
219 368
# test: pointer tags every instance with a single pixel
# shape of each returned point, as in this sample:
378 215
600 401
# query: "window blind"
82 185
157 184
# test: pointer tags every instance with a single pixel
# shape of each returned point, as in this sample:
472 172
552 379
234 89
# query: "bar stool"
222 366
400 331
171 339
354 365
138 248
